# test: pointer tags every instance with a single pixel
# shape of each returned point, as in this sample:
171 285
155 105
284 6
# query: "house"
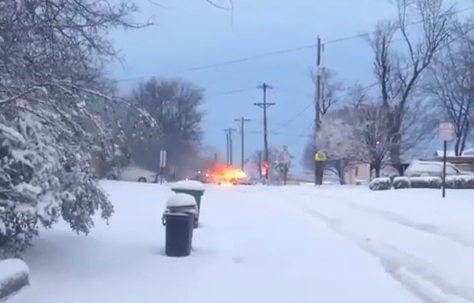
357 174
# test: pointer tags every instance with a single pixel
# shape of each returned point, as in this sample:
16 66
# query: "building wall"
357 173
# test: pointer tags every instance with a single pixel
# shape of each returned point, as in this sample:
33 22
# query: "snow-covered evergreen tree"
29 186
53 58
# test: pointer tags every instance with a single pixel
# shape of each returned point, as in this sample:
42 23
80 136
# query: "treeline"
423 63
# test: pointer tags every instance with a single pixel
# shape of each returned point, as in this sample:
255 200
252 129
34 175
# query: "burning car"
222 174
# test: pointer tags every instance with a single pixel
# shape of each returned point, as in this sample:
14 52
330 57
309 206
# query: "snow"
14 275
189 184
11 134
423 168
466 178
452 153
180 200
11 269
256 243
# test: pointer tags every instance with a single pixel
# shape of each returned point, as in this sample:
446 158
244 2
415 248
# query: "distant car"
200 176
419 168
136 174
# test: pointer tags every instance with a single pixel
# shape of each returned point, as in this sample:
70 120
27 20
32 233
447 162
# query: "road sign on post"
319 158
162 164
283 163
445 133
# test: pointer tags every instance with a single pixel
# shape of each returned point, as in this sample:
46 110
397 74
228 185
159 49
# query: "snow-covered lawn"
281 244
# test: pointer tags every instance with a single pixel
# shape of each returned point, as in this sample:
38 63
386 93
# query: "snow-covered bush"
460 182
29 187
382 183
401 182
426 182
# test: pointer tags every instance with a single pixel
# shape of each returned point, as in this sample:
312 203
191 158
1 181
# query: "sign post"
284 159
445 133
162 164
319 158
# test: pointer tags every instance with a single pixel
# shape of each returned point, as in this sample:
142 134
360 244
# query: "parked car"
420 168
137 174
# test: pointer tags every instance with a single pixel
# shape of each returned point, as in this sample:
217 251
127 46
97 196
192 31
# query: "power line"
365 88
368 33
277 52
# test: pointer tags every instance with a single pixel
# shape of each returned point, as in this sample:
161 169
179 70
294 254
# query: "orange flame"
224 174
264 168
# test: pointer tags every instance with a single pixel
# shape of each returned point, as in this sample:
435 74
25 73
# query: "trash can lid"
176 215
189 184
180 200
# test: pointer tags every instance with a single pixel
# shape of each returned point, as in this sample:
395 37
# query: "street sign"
162 158
320 156
446 131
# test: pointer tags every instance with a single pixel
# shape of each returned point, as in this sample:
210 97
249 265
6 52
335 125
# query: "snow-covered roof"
180 200
188 184
451 153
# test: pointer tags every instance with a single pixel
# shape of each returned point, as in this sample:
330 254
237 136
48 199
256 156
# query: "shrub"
460 182
425 182
401 182
381 183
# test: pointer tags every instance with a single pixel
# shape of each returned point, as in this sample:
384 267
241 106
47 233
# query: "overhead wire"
364 88
276 52
282 52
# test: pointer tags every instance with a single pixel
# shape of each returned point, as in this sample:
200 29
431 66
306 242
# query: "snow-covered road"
431 258
284 244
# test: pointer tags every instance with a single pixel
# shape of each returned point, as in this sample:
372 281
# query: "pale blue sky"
190 34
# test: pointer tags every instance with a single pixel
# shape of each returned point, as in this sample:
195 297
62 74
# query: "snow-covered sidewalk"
254 245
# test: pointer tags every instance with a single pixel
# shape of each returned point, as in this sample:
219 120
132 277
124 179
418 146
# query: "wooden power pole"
242 122
264 105
317 108
229 145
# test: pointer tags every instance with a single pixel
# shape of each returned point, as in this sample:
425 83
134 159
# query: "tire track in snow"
402 220
401 266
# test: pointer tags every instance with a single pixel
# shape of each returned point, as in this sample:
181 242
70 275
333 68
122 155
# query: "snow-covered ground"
281 244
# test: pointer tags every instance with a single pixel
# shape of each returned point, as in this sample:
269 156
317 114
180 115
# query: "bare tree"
356 134
451 83
351 96
398 73
332 90
176 104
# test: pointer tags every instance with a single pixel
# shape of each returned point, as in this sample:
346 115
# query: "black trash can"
179 234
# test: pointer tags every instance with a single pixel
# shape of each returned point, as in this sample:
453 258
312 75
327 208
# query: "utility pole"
317 105
318 90
264 105
241 122
229 145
